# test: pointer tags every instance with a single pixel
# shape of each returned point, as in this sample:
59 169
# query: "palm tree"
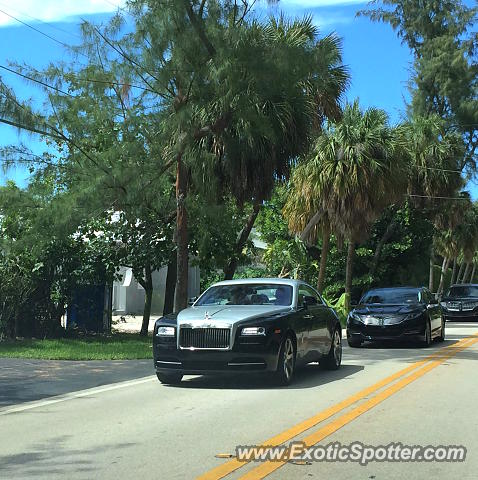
306 218
353 172
433 154
272 118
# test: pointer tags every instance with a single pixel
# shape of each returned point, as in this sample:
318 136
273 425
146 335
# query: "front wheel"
333 359
169 378
441 338
427 339
286 362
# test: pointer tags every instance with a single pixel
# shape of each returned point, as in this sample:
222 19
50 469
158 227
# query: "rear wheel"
169 378
333 359
286 363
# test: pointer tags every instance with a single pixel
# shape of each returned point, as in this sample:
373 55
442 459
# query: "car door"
316 320
434 310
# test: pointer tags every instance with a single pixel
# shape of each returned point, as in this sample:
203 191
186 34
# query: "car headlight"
412 316
357 318
443 304
253 331
166 332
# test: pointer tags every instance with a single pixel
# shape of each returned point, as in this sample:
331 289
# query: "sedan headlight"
443 304
166 332
412 316
357 318
246 331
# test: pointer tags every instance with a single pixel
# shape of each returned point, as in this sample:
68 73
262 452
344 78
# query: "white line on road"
73 395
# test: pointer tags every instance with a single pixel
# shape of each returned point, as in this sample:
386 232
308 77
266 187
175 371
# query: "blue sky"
379 64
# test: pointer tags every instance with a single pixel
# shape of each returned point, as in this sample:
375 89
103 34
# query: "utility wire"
36 80
437 197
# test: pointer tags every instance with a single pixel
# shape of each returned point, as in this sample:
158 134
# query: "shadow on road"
309 376
45 460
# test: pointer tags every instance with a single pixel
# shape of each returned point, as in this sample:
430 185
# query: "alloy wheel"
288 363
337 348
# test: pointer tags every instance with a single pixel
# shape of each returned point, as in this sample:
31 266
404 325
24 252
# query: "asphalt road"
140 429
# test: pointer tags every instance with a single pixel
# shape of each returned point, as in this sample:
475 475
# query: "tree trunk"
453 273
378 250
348 274
431 275
308 228
467 271
444 269
473 272
323 257
230 268
460 272
148 298
181 299
170 286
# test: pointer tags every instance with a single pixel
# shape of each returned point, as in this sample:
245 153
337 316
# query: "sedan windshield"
391 296
247 294
463 291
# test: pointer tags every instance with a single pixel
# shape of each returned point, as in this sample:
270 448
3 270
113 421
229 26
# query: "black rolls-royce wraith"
253 325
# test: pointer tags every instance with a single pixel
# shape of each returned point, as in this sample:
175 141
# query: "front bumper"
450 315
261 356
407 330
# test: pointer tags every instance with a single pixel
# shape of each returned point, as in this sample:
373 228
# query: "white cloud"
53 10
331 20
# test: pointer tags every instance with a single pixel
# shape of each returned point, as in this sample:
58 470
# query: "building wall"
128 294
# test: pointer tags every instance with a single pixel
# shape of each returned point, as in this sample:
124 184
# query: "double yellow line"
419 369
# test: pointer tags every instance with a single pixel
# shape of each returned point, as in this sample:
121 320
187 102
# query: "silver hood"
226 315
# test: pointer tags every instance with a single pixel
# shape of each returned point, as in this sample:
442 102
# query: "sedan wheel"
333 359
441 338
428 336
286 363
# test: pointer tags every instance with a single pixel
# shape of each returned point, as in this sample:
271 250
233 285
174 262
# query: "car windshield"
391 297
247 294
463 291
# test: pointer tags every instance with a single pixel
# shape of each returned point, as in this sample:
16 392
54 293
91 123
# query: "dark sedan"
401 313
461 302
257 325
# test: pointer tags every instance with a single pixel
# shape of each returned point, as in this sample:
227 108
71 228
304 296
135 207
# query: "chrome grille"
455 306
469 305
208 338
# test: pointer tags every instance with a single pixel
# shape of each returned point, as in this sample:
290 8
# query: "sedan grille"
455 306
204 337
469 305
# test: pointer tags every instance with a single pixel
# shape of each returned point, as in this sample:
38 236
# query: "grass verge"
119 346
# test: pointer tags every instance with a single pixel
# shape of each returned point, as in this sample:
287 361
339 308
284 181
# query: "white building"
128 294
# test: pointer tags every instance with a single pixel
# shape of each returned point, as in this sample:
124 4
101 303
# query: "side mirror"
192 300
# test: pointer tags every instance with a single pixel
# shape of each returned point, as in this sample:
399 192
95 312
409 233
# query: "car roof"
280 281
394 288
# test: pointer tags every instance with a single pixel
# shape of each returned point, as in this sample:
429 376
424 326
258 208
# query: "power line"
35 80
436 197
81 80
